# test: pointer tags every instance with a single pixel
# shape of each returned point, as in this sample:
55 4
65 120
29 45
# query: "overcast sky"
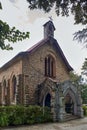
16 13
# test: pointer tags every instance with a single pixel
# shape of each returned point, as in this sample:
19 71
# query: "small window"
50 66
13 87
4 91
5 88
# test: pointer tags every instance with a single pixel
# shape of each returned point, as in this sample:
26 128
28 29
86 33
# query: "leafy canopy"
84 67
78 81
75 78
10 34
84 87
78 8
63 7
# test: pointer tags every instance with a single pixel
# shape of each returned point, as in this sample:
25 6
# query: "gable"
34 48
53 43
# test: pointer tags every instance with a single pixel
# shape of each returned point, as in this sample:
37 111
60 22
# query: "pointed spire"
49 29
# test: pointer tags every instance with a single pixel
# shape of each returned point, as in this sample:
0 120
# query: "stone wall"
30 72
7 74
15 68
34 70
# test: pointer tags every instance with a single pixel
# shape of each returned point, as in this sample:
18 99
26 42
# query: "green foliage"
84 67
10 34
75 78
19 115
85 110
0 6
78 8
63 7
84 86
84 93
81 36
3 118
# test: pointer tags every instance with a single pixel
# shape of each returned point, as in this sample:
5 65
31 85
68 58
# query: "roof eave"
12 61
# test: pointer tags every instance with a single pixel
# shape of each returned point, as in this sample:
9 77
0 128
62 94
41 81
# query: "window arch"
14 82
4 91
50 67
4 85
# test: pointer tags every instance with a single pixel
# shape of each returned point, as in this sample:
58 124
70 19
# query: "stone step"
68 117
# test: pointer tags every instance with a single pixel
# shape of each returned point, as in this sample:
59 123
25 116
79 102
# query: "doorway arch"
69 104
47 102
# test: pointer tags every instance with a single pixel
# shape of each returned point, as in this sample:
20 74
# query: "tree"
10 34
78 81
84 67
84 88
84 93
75 78
0 6
78 8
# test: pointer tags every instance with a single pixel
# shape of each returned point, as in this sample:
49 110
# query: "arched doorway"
48 100
69 104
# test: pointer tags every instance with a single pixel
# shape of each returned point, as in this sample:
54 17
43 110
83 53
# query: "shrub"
3 117
20 115
85 110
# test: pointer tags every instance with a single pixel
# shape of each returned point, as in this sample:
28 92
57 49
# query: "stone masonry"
32 77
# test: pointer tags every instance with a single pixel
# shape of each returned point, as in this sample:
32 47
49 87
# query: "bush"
4 119
20 115
85 110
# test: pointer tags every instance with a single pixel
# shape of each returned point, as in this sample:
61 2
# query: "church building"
40 76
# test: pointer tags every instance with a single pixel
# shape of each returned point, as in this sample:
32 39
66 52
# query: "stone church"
40 76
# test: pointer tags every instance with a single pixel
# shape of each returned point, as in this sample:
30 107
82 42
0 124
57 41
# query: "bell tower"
49 29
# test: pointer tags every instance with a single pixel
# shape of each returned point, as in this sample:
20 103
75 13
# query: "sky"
16 13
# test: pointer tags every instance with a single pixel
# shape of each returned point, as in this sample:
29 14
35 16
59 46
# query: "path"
78 124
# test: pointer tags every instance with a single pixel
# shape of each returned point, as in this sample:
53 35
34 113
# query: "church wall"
31 71
15 69
7 74
34 71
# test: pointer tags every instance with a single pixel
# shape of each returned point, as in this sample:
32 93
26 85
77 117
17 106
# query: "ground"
78 124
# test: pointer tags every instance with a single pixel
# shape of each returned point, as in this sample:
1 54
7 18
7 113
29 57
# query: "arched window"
4 91
13 87
50 66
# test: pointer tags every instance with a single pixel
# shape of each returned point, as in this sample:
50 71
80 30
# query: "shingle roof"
35 47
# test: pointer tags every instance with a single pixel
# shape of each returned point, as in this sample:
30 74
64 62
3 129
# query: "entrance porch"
63 99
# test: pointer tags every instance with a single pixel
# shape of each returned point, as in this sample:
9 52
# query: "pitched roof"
34 48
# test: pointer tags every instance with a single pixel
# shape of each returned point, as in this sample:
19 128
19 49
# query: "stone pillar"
20 91
16 91
60 107
61 110
26 90
80 111
53 106
79 105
